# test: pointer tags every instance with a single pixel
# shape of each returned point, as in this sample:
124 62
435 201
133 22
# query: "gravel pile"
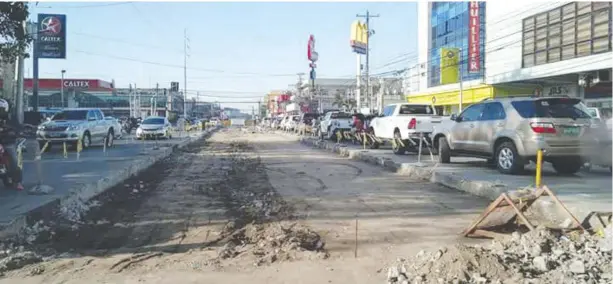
540 256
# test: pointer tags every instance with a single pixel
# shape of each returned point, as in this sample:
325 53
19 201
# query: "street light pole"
62 88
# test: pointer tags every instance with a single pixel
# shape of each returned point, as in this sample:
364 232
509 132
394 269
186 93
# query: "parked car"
154 127
74 124
305 122
406 122
116 125
333 122
510 131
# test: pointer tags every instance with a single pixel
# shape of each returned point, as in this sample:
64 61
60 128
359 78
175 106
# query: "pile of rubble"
14 257
261 230
272 242
540 256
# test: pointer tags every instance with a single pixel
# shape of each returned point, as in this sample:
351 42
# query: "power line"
180 66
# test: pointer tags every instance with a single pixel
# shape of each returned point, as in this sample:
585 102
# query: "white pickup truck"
405 121
333 122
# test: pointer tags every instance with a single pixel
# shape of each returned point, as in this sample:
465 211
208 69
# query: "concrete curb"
73 205
543 210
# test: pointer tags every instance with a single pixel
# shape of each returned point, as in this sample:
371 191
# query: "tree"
14 40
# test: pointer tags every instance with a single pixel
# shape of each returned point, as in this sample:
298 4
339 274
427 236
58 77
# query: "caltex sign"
51 41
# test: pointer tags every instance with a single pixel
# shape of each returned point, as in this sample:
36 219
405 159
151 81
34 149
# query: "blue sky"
258 38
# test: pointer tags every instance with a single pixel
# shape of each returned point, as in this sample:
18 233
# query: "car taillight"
542 127
413 123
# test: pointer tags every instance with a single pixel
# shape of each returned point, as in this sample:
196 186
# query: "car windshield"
153 121
71 115
592 112
415 109
551 108
340 115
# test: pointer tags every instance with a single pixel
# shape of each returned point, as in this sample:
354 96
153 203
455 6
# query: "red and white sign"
311 47
474 60
79 84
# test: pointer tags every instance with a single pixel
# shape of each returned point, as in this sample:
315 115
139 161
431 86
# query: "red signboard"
474 34
78 84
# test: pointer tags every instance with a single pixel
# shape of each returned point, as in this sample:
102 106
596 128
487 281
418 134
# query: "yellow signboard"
450 65
359 37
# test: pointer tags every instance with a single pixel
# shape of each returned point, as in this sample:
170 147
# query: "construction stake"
65 150
355 250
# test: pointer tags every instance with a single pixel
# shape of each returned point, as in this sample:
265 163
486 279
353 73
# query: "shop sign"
449 65
51 42
359 37
473 38
76 84
560 90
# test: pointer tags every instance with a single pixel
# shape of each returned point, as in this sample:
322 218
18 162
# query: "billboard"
449 65
474 34
359 37
51 38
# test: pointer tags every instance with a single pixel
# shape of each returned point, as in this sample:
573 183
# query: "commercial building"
510 48
100 94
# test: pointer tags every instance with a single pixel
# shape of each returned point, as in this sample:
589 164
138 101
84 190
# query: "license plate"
52 135
571 131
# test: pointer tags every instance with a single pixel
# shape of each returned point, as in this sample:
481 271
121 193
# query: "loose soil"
246 207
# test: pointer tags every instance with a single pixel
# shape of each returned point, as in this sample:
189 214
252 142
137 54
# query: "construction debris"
540 256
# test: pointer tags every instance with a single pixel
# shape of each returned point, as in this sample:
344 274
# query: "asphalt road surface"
62 174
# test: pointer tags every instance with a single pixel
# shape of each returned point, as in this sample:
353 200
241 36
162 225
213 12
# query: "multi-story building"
475 51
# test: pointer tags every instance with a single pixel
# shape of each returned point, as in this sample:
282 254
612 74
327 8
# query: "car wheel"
110 138
567 166
508 160
444 152
86 141
396 147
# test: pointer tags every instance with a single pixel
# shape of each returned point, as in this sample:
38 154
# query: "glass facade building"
449 24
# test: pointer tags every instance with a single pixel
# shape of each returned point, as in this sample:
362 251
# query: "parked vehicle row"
508 132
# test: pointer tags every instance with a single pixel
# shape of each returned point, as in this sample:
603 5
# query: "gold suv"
510 131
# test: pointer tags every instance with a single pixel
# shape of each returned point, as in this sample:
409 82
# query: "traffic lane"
63 174
584 190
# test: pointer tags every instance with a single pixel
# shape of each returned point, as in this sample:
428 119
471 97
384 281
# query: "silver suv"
510 131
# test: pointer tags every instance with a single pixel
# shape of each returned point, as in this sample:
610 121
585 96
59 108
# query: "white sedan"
154 127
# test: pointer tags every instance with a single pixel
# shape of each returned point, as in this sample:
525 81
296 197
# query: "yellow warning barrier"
79 148
44 148
539 166
20 158
364 138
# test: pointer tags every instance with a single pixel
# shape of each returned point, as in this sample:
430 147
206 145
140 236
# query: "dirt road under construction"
250 207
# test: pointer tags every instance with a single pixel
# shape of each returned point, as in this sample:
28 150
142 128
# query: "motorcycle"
129 124
10 170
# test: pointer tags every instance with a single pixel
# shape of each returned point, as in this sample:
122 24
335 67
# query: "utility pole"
34 32
185 73
369 32
460 74
155 100
20 74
